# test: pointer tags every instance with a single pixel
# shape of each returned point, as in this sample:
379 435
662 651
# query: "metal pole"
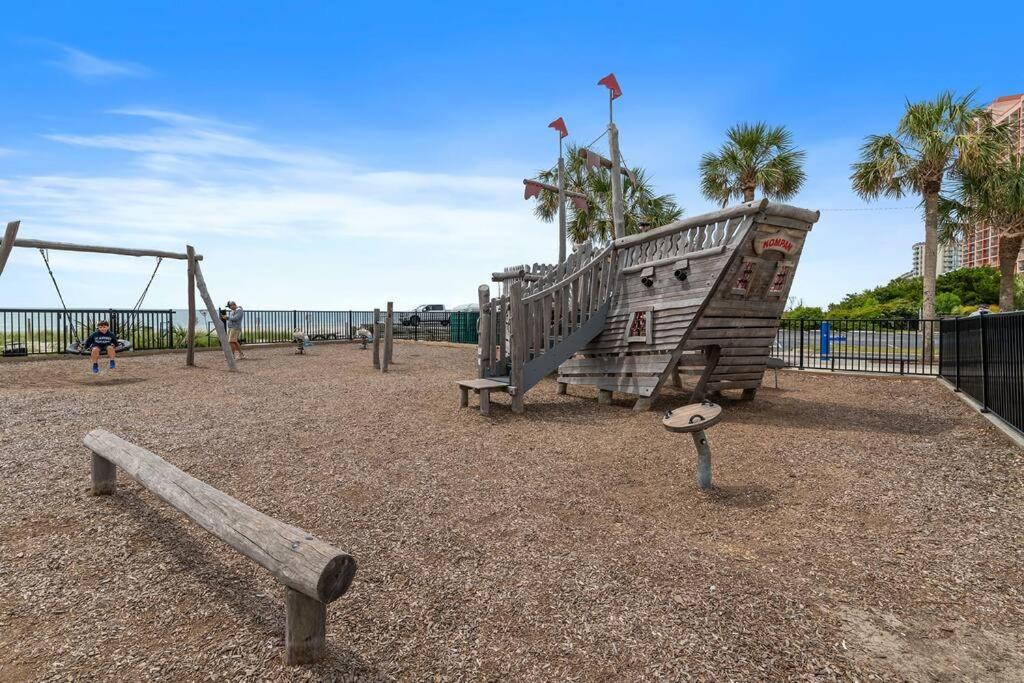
801 344
956 332
984 367
700 440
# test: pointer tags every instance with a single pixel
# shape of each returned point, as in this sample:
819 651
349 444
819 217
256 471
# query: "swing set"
195 281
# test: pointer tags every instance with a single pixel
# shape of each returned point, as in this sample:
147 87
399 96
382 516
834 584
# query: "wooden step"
496 383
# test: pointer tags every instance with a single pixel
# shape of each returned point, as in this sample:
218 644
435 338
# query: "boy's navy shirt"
101 339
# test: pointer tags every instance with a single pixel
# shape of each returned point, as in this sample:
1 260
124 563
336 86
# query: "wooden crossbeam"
554 188
67 246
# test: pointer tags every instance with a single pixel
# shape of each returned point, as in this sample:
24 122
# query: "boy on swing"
100 341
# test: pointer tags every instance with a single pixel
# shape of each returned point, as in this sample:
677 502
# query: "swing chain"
67 315
138 304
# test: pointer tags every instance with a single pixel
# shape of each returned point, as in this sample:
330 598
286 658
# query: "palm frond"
754 156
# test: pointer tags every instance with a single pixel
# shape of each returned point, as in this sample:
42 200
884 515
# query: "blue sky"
335 155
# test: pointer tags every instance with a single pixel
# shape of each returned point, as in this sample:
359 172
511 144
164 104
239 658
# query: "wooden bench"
484 387
313 572
694 419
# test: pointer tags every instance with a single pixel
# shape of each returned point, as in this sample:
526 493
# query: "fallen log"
314 572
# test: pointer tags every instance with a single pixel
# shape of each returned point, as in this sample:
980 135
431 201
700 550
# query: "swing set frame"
195 279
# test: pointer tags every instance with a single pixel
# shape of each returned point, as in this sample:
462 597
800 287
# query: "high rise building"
982 247
947 259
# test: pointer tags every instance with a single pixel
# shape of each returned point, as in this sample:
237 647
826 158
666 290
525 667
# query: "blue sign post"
825 340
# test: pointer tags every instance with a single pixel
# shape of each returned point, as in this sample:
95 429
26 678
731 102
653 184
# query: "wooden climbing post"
376 339
618 211
485 345
711 356
518 313
561 204
7 245
222 334
388 331
190 333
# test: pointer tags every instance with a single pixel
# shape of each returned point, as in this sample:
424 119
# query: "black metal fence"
983 356
262 327
26 332
896 345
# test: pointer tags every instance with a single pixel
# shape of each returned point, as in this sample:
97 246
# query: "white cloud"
229 191
88 67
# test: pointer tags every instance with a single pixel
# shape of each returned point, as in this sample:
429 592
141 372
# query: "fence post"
956 333
801 343
984 366
350 330
170 329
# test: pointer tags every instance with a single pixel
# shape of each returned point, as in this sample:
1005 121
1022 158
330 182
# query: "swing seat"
122 346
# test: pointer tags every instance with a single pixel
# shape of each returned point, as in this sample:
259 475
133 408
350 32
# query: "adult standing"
234 324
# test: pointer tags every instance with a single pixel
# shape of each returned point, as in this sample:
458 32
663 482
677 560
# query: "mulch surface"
860 527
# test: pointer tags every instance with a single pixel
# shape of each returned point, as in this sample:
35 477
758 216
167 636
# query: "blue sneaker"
95 368
112 366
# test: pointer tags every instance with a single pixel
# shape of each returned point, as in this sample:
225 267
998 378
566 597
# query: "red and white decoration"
782 274
747 271
641 326
779 242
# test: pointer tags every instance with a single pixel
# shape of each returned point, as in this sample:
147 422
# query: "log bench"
483 387
313 572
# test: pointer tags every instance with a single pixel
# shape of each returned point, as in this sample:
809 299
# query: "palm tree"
932 139
992 196
642 205
754 156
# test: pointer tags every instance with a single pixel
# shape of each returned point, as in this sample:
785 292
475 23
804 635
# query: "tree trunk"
748 193
1009 249
931 249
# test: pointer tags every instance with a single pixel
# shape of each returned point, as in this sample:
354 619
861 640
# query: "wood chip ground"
860 528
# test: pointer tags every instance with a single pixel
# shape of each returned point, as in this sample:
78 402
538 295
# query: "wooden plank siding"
695 313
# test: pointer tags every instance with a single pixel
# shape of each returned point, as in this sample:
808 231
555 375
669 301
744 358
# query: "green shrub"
804 313
945 302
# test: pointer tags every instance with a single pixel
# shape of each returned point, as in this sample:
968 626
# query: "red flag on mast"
559 125
612 84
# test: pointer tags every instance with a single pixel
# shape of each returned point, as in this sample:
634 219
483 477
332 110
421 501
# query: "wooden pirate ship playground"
705 293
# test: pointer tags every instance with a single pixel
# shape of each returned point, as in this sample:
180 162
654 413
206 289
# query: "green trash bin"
462 327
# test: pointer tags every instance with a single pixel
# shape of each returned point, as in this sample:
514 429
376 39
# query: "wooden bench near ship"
703 293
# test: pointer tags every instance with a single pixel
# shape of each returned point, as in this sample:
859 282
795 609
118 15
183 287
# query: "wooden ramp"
529 334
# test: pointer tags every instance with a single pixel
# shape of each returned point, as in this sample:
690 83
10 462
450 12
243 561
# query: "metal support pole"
956 331
984 367
801 344
700 440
